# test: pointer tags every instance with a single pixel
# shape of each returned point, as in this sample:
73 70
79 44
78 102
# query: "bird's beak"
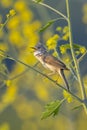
34 48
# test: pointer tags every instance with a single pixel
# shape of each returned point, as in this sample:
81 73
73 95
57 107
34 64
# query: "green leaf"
76 46
48 24
52 109
77 107
38 1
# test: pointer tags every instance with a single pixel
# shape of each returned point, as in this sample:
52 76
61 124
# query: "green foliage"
52 109
15 40
77 107
49 23
79 49
10 14
38 1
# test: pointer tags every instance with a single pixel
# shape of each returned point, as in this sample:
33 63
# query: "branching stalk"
68 19
83 93
51 8
30 67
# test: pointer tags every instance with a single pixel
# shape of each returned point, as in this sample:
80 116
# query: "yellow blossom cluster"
8 97
11 13
82 50
63 49
67 96
52 41
6 3
63 32
4 126
22 34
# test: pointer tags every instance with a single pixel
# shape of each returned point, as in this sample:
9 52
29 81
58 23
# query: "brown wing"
54 61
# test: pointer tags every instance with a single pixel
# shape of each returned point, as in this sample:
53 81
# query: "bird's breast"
51 67
46 65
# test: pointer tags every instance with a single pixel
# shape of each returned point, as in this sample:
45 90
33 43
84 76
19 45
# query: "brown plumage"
56 63
50 62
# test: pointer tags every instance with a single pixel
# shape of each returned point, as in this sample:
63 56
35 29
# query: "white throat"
37 53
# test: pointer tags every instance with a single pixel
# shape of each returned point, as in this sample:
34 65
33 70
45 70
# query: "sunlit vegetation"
23 91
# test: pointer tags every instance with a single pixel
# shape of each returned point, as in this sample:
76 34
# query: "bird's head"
39 49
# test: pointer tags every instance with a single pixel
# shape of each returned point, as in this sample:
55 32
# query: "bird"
50 62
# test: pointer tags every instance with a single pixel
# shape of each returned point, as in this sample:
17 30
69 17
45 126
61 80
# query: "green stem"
83 93
80 59
4 24
51 8
22 73
18 61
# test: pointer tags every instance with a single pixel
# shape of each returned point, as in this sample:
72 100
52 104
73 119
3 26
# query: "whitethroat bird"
50 62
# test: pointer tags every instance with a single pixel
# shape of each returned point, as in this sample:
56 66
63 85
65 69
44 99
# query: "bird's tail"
64 78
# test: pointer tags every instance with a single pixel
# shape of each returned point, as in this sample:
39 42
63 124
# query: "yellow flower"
82 50
77 52
55 54
41 92
51 42
59 29
15 38
10 95
67 96
1 25
30 35
85 8
18 69
36 25
26 15
3 46
8 82
55 37
6 3
85 19
12 12
66 36
62 49
65 29
24 110
69 99
20 6
4 126
30 59
7 15
13 22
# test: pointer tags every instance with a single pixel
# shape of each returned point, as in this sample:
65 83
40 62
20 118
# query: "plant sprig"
68 19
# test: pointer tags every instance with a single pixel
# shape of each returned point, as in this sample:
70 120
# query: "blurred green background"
22 98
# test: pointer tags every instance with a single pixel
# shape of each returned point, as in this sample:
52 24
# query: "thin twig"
22 73
2 25
83 93
18 61
51 8
80 59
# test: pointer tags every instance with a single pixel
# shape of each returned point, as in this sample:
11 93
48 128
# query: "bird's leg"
57 79
52 73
